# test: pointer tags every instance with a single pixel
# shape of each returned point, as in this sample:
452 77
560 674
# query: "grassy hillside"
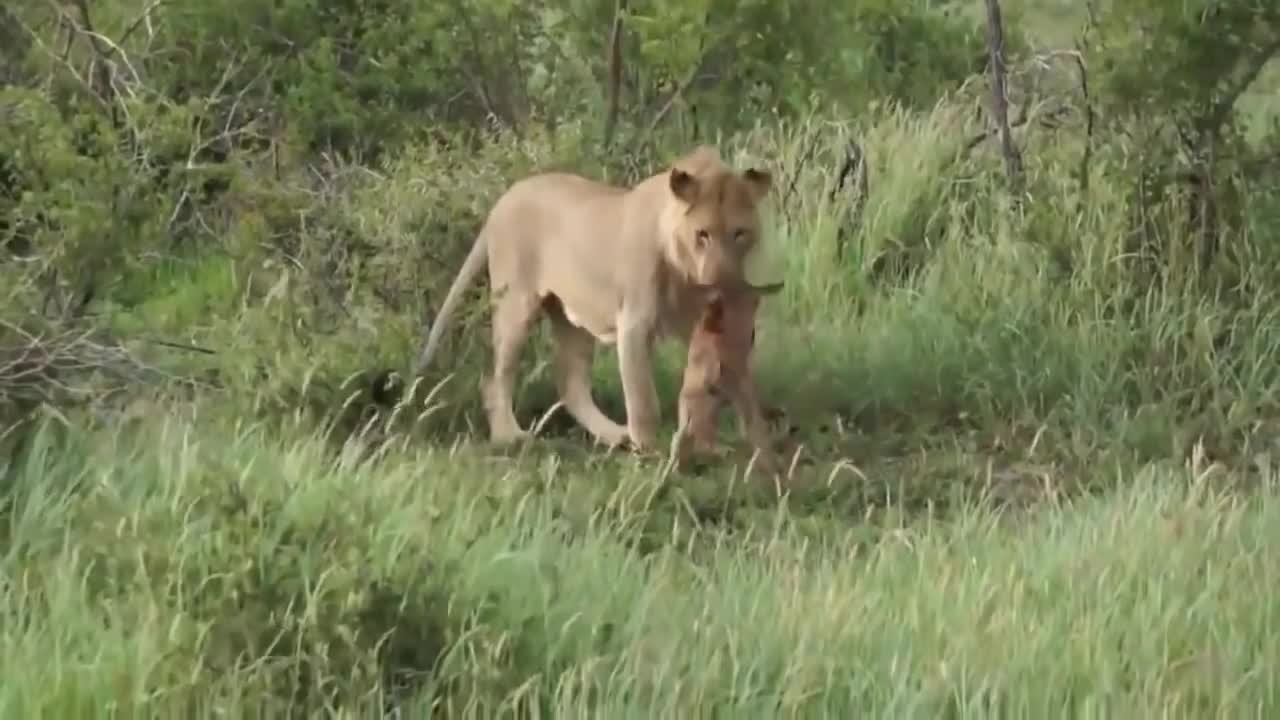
1034 445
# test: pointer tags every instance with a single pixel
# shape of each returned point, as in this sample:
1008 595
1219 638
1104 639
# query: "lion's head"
717 224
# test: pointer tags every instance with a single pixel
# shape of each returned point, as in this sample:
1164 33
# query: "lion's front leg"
635 362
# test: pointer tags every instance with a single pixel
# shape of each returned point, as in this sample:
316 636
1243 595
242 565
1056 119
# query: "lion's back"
562 208
562 192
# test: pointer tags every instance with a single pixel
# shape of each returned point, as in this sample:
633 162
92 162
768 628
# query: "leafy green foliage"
1202 49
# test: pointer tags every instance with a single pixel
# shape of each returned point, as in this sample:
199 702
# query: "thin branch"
65 24
43 368
1086 156
703 53
668 105
666 108
181 346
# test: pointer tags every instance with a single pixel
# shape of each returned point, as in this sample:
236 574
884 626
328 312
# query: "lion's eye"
740 236
702 238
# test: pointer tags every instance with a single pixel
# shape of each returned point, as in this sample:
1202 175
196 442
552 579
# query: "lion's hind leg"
513 316
575 349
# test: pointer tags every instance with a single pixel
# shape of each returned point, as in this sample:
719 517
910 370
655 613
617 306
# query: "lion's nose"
716 269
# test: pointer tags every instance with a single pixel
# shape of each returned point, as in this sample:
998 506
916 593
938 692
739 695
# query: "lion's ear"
684 185
759 181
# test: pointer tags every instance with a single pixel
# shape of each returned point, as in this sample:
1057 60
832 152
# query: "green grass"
182 568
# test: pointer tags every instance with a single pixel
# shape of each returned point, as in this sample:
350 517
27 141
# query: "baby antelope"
719 369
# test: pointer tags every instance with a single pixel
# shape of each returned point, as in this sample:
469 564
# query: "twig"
181 346
40 367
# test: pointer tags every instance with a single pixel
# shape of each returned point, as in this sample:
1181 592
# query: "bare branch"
69 365
615 73
85 27
999 98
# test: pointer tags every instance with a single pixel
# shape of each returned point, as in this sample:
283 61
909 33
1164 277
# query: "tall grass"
182 568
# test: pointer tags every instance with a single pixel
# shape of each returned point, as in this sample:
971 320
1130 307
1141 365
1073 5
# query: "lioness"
719 368
607 264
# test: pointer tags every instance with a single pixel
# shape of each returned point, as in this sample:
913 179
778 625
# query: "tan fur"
610 265
719 369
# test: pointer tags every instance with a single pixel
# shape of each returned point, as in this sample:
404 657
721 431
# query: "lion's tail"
475 261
